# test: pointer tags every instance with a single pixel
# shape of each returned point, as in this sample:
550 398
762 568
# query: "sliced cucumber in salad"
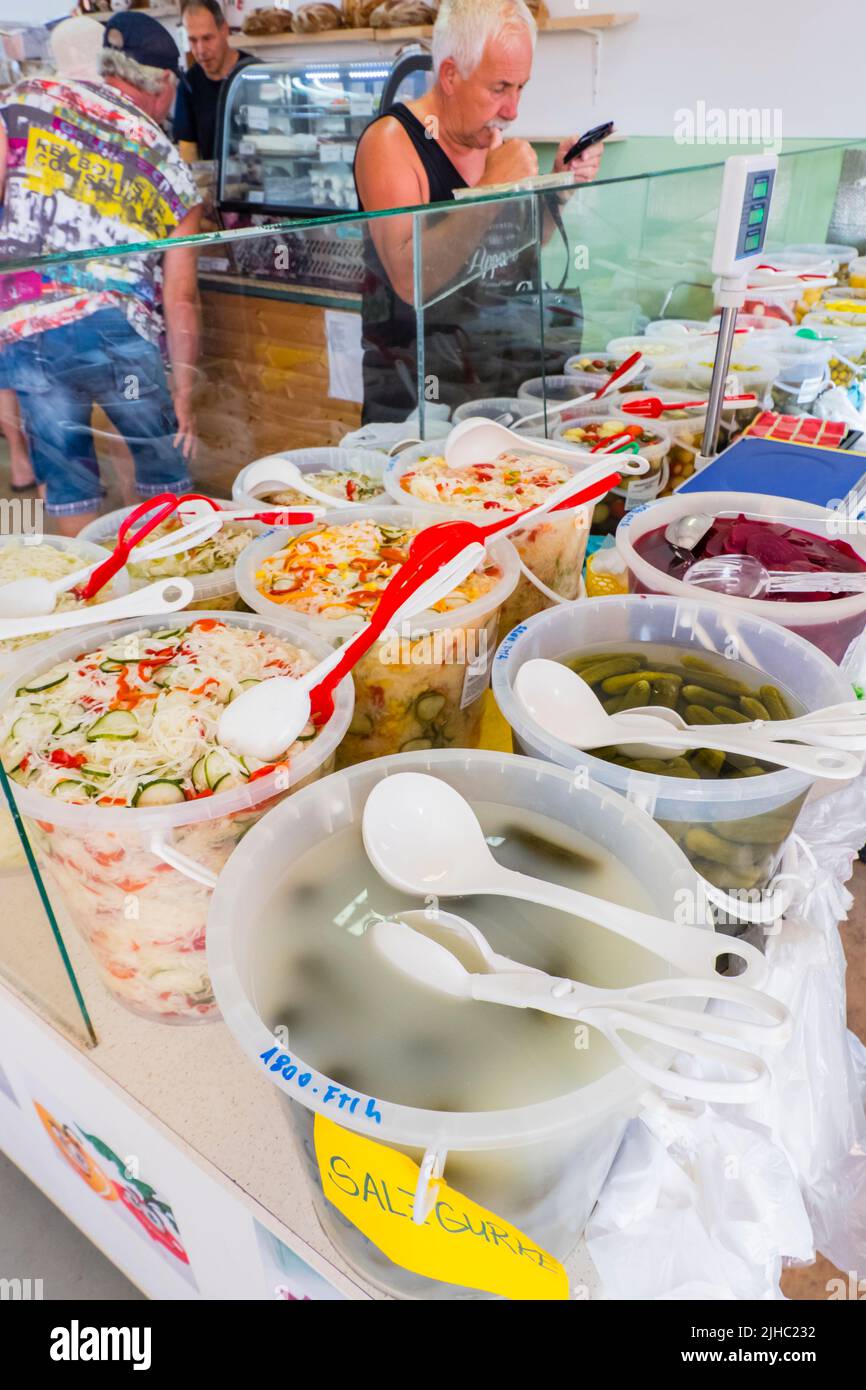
38 684
161 792
118 723
71 790
36 729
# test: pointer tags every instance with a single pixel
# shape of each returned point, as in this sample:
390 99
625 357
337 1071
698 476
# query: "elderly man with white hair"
421 152
86 166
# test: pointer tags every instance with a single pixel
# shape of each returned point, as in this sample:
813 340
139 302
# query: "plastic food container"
551 549
773 296
839 256
680 331
15 655
422 691
654 350
493 408
213 590
857 273
551 389
122 873
599 370
754 324
743 821
749 371
843 305
368 462
833 625
610 510
541 1166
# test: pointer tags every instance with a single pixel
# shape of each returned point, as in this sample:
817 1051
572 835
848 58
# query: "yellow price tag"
459 1243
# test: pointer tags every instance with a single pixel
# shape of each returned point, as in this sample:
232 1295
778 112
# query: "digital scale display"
756 206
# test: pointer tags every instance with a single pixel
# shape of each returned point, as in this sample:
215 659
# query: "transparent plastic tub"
857 273
16 655
833 625
839 255
754 324
845 305
492 408
654 350
589 376
773 296
610 510
552 389
540 1166
424 690
367 462
552 549
122 873
744 821
211 591
750 371
679 331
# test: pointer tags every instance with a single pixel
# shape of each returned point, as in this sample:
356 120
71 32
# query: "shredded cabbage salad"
340 571
20 561
509 483
135 723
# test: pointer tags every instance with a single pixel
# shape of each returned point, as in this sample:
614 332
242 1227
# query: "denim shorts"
61 375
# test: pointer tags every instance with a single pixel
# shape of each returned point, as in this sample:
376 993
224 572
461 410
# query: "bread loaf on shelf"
314 19
267 22
395 14
356 13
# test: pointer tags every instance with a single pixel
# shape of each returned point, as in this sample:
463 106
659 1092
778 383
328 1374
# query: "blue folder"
804 472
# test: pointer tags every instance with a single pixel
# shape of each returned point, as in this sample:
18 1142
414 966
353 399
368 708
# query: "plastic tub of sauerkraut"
210 567
46 557
551 549
352 475
130 804
417 689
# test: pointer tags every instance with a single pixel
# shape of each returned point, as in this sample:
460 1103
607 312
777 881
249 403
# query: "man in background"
195 115
86 166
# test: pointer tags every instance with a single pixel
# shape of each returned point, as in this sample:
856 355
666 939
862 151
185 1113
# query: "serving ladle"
742 576
164 596
567 708
285 473
422 837
433 962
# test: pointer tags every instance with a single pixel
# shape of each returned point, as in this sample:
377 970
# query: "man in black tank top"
478 275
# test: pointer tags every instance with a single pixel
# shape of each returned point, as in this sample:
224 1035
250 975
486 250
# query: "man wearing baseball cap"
86 165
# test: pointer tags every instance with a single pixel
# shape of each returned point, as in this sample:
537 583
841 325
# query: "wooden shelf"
420 31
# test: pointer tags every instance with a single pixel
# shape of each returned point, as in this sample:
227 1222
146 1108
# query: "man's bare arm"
181 302
390 175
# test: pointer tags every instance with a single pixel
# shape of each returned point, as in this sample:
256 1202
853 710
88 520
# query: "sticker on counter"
460 1242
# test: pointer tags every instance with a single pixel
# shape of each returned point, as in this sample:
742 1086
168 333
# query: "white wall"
802 58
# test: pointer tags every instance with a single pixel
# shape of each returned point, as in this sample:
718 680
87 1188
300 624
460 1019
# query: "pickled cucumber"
753 708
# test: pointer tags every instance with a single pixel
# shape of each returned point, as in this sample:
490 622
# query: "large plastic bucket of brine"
135 881
732 829
527 1120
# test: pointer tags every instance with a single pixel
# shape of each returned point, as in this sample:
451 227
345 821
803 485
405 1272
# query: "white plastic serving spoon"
36 597
165 596
423 837
481 441
564 706
281 471
407 945
265 721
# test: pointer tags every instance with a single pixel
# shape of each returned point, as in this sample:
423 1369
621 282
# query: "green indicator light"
759 189
756 216
753 241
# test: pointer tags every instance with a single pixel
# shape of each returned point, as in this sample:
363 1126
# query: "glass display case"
287 132
490 297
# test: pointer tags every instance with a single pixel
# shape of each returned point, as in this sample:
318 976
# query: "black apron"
482 337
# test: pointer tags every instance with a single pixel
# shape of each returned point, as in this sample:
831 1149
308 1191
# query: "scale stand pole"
721 366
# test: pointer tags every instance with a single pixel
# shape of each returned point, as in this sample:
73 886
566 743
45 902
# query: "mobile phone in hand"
592 137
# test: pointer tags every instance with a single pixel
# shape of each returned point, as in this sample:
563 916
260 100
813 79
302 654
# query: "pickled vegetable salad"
352 487
219 553
340 571
135 723
509 483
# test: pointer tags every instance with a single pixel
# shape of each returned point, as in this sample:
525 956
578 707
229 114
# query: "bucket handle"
162 847
431 1170
774 901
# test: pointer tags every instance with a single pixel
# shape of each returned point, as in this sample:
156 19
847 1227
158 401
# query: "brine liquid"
358 1019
